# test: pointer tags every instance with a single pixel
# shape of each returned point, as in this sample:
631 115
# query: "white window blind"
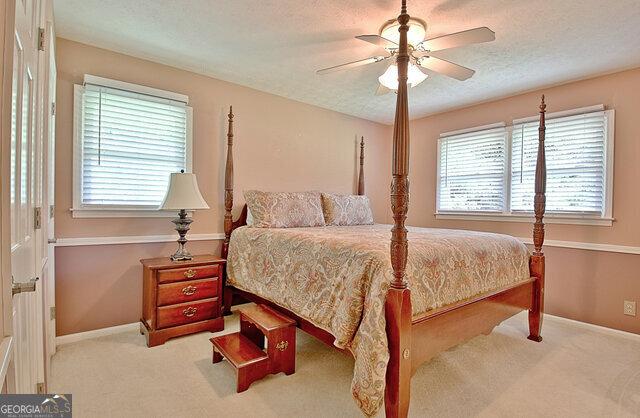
471 171
575 149
130 143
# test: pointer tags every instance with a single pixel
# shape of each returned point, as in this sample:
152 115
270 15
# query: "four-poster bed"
413 339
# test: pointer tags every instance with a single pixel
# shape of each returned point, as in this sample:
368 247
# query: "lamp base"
182 226
181 256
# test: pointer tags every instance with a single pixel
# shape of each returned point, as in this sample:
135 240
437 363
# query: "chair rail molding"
149 239
132 239
591 246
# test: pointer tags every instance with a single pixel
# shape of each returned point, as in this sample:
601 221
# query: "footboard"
446 327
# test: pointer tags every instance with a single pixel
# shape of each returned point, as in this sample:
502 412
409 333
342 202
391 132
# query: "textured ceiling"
276 45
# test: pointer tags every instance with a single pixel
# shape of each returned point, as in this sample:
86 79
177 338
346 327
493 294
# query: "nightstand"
181 297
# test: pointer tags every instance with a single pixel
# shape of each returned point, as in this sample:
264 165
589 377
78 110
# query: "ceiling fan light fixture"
415 35
390 77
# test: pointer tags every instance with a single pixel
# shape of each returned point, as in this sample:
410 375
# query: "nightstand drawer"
185 313
188 273
179 292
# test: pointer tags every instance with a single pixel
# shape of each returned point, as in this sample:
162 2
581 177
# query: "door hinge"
37 218
52 211
53 108
52 312
40 388
41 39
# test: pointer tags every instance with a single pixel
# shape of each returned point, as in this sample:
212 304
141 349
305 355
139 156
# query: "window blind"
575 153
130 144
472 168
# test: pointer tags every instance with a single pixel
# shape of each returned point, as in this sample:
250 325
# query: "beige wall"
620 91
101 286
589 286
280 144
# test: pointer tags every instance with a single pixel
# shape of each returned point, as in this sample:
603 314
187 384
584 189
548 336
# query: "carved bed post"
398 302
228 188
537 259
361 172
227 295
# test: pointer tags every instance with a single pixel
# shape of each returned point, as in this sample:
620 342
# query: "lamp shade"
390 77
183 193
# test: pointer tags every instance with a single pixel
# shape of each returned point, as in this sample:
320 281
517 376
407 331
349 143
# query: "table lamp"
182 195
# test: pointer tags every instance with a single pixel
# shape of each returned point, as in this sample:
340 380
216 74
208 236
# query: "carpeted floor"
577 371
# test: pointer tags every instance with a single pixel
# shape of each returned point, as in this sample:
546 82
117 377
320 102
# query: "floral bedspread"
337 278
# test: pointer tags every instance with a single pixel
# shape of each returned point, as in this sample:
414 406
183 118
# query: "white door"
25 166
49 199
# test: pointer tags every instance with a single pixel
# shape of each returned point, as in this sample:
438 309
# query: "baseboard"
581 324
87 335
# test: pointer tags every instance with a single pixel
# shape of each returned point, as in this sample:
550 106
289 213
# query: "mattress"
337 278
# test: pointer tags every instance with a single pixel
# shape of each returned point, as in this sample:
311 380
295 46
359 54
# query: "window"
579 154
472 171
575 147
128 139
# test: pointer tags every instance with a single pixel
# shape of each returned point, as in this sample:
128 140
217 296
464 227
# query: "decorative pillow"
284 210
346 209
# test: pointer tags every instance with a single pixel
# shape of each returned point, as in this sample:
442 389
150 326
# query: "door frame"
48 194
7 15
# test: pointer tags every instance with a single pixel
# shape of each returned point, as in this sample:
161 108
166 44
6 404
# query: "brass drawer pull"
189 290
189 274
190 311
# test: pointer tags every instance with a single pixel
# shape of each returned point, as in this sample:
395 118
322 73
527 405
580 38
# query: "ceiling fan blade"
378 40
382 90
352 64
445 67
453 40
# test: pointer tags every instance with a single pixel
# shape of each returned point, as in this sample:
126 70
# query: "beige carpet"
576 371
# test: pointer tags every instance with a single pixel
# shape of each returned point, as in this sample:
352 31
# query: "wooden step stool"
245 349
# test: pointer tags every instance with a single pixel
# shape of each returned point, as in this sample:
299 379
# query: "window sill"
548 219
123 213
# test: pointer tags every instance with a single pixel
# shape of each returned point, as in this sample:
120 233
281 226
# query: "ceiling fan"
420 53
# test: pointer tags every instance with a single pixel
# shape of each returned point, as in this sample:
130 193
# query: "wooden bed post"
398 302
537 259
228 187
227 294
361 172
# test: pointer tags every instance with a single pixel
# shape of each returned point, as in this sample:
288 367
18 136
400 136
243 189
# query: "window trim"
78 210
606 219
